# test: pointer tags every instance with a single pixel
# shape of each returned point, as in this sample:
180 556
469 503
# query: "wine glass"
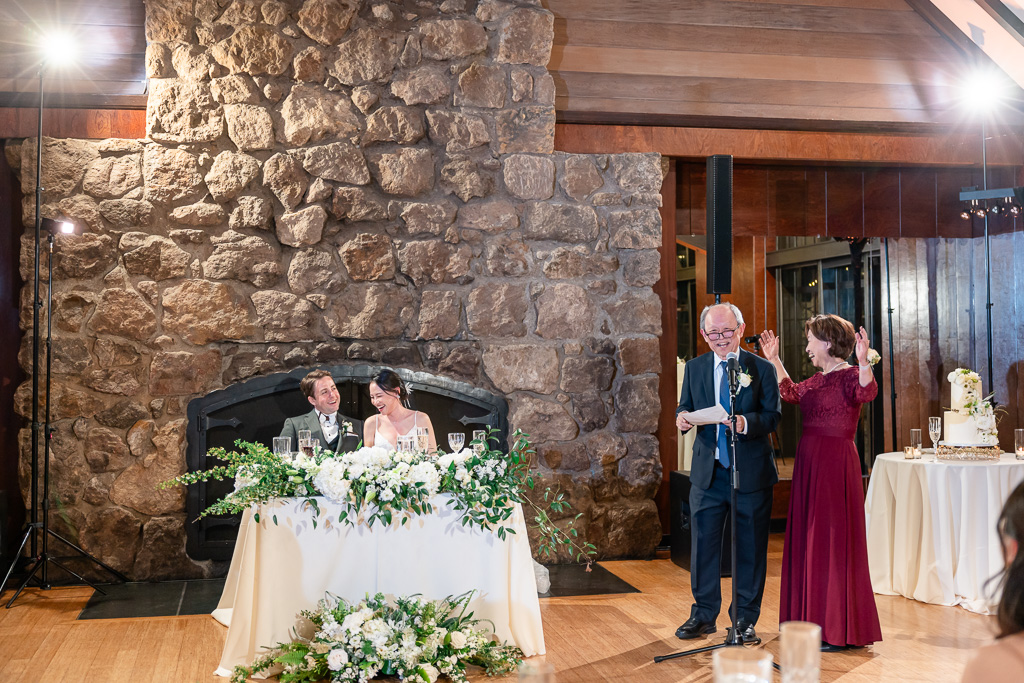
282 446
303 435
456 440
479 441
934 431
307 446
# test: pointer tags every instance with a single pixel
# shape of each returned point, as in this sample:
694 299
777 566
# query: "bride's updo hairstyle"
391 383
837 331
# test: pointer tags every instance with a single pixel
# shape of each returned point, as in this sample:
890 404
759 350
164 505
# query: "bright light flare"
58 48
67 227
984 90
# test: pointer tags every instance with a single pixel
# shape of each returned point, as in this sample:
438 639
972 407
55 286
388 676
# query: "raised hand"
862 346
770 345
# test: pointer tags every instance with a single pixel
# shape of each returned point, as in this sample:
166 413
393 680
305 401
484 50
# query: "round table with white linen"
931 527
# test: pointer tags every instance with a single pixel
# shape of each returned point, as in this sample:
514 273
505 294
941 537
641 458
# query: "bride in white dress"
390 397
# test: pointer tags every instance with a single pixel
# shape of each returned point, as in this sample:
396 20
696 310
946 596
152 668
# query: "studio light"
56 48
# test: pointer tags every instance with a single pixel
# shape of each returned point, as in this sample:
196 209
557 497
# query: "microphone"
733 360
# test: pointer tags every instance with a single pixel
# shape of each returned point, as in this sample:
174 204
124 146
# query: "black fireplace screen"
255 410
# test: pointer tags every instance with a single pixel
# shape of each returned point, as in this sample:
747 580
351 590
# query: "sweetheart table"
278 570
931 528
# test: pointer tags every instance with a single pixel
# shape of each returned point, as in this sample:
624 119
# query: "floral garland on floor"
374 484
411 638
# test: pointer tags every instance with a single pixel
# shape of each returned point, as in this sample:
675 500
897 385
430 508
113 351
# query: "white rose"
458 640
744 379
431 672
353 622
337 659
445 461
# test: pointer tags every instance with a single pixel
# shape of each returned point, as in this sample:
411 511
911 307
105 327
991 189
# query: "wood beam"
782 146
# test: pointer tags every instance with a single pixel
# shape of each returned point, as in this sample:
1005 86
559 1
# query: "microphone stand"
733 636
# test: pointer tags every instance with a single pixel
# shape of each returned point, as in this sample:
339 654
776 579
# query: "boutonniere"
346 428
744 379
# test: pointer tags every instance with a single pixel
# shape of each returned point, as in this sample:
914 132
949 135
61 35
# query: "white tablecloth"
278 570
931 528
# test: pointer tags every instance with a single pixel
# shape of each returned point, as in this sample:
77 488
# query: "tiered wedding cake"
969 429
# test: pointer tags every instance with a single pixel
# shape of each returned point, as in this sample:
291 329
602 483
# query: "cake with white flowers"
969 427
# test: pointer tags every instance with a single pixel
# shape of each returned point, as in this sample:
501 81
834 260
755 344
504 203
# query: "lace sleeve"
855 393
790 391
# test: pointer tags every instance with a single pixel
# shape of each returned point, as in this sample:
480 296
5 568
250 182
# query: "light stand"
37 530
733 637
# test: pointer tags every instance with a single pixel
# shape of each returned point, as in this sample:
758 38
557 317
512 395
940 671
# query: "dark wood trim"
784 146
666 290
96 124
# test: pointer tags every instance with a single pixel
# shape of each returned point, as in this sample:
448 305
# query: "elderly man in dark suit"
335 432
759 409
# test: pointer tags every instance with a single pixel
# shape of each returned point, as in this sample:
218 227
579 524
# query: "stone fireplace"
338 183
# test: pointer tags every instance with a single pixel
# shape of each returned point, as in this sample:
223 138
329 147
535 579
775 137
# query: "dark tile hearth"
568 580
163 599
178 598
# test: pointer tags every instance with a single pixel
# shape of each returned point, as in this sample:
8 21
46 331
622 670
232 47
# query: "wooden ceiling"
845 65
109 68
807 64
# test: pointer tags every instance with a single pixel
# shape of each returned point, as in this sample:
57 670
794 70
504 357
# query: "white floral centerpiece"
974 406
410 638
373 484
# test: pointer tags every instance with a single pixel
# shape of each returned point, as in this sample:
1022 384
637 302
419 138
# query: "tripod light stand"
37 532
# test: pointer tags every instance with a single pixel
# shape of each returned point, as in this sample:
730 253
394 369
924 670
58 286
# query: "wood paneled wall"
939 324
843 202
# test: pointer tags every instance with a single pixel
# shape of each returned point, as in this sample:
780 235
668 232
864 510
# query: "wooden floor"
599 638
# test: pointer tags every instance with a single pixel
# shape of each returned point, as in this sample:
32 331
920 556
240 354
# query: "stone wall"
340 182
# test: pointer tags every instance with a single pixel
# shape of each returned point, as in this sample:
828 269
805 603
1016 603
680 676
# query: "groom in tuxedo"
334 431
758 410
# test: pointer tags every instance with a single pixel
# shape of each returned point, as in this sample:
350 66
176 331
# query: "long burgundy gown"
825 578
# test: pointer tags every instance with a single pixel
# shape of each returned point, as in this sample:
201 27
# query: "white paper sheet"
706 416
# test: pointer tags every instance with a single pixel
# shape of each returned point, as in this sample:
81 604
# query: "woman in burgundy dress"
825 577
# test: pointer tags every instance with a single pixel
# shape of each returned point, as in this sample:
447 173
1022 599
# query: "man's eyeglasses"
724 334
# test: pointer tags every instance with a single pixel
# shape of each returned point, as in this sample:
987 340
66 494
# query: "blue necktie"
723 399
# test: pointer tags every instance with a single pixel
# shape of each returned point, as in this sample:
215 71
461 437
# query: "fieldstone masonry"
335 181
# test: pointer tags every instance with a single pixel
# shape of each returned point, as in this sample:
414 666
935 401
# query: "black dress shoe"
694 628
748 633
829 647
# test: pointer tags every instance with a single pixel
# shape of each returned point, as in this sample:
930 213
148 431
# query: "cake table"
931 528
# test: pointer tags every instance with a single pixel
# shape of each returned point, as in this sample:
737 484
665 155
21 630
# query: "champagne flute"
456 440
935 431
422 440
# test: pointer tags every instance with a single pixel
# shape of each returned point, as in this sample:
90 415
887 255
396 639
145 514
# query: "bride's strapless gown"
382 441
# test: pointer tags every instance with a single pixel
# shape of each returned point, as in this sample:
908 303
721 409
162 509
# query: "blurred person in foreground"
1003 660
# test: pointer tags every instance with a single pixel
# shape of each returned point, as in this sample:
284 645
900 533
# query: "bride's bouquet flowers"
410 638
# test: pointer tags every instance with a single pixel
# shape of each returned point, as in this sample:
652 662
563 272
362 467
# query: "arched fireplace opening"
254 410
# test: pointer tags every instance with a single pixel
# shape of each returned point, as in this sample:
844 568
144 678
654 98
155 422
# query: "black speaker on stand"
719 235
